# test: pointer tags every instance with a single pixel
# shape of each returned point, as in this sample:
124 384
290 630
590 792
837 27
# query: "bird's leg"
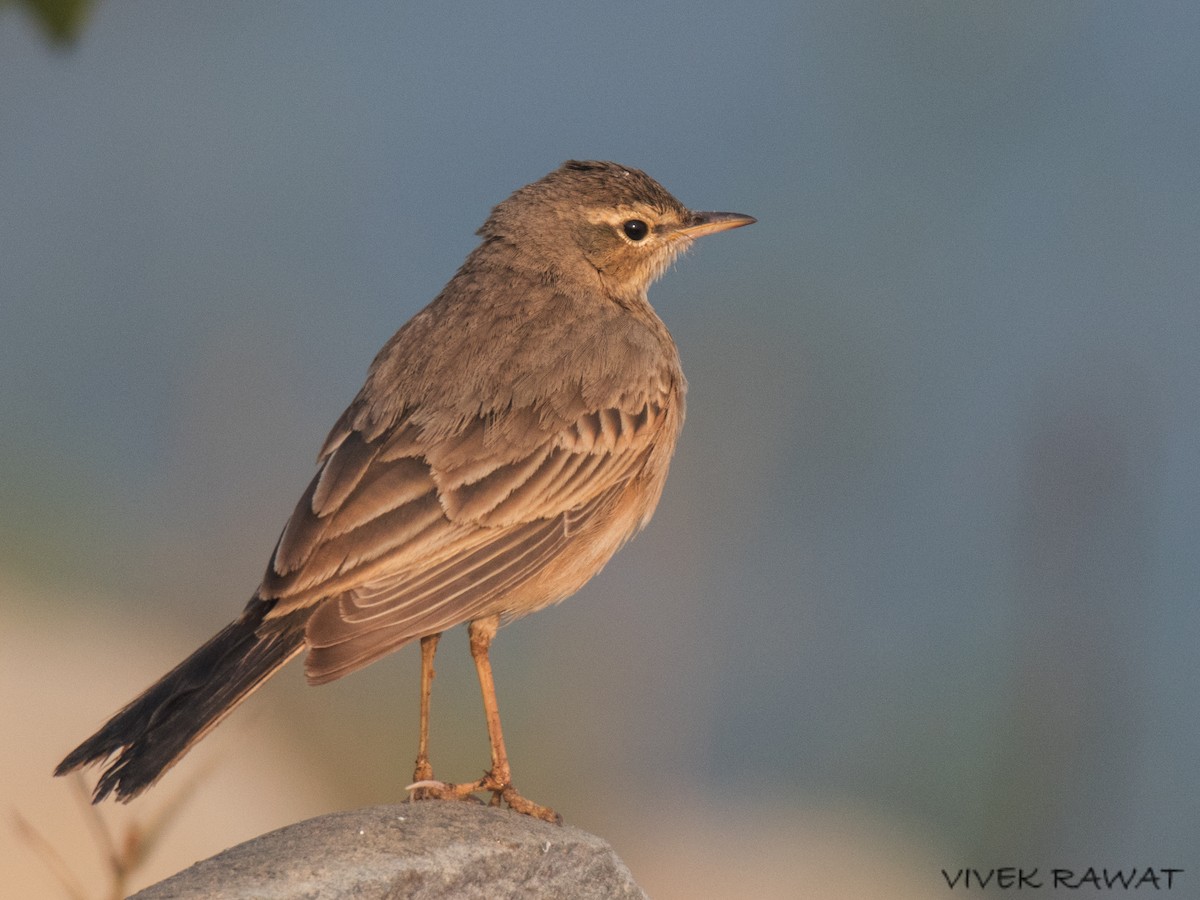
499 779
424 770
481 632
424 786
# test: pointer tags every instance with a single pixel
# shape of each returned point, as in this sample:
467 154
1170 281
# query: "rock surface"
427 850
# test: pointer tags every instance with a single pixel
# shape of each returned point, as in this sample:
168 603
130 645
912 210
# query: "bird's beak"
711 222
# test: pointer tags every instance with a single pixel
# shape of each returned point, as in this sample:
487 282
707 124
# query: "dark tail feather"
155 730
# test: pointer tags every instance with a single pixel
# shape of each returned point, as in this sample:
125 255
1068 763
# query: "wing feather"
419 529
354 630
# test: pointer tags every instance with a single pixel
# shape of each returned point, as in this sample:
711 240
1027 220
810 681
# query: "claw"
428 783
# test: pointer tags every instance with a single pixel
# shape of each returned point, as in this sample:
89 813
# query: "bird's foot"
424 786
500 789
517 803
432 789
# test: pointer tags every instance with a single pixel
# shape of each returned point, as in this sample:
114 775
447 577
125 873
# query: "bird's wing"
405 535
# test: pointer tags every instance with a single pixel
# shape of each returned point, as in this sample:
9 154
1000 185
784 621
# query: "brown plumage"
508 440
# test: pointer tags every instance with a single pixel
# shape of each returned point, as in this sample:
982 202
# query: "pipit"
508 440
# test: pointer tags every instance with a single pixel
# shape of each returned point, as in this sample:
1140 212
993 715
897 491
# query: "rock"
427 850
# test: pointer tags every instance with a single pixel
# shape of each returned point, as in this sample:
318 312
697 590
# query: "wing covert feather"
405 535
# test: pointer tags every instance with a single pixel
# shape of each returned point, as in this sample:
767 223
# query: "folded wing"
411 531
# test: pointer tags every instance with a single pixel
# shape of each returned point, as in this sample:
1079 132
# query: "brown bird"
508 440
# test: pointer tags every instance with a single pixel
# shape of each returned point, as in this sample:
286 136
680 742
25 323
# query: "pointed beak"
703 223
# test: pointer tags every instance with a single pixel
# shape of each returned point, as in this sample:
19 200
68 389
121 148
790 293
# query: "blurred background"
921 592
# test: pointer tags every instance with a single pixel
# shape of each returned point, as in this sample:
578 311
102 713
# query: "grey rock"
427 850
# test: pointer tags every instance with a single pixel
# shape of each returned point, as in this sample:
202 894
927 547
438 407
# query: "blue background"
928 551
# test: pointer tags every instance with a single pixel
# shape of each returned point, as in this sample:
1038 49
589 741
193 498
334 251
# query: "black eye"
635 229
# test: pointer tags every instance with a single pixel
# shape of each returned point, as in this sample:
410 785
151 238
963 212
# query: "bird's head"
601 218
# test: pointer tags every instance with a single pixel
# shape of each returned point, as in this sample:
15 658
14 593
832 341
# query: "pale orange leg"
499 779
424 770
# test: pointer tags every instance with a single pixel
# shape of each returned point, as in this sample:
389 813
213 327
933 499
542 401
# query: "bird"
507 441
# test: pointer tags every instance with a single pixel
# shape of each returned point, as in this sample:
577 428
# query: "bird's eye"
635 229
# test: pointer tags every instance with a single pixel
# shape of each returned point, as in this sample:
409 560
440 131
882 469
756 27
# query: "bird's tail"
150 734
